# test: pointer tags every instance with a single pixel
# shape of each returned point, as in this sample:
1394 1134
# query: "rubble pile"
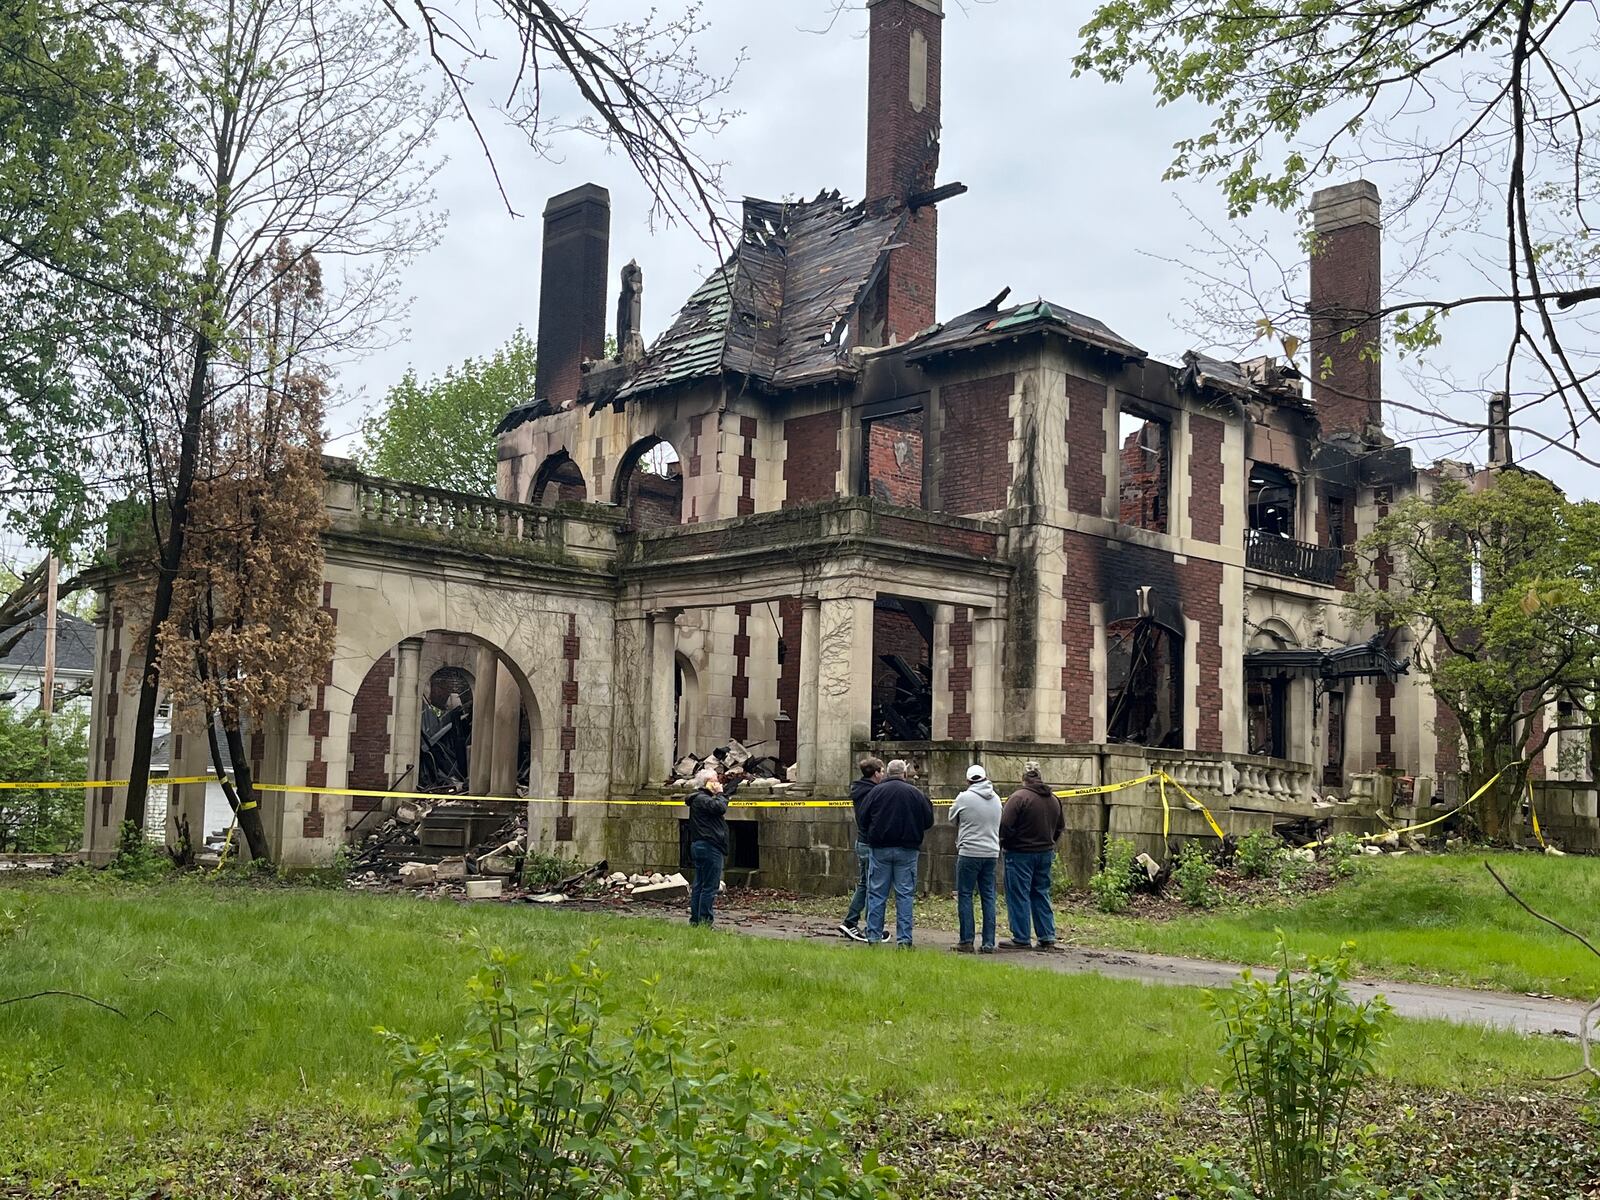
428 843
762 773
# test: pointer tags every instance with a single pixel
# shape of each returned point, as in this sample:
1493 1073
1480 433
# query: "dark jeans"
1028 896
894 868
858 902
975 875
707 861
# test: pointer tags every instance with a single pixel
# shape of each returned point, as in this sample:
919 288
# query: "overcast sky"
1066 199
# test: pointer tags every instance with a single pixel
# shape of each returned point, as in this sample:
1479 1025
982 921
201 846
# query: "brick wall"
1086 445
739 726
570 647
1205 478
1077 644
894 459
369 733
974 467
1383 723
811 458
655 501
1142 479
312 823
961 673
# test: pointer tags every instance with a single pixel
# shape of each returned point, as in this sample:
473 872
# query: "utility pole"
47 690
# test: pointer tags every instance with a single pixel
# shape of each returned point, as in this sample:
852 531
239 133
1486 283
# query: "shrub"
137 859
1112 884
550 1094
1196 877
1296 1049
1343 854
1259 855
541 870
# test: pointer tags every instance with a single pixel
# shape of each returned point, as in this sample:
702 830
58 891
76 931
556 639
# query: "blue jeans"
858 902
707 861
975 874
1028 895
892 867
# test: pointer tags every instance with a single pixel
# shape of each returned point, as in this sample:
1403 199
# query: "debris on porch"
761 772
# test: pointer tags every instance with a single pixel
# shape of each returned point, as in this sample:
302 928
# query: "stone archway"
649 484
558 478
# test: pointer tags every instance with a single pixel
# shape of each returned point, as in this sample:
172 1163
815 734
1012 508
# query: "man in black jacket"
892 820
708 842
1030 826
871 777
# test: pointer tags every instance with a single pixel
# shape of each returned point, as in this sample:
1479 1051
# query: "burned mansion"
826 510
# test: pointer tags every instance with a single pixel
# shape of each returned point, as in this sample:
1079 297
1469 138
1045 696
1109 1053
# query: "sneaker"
1045 947
985 949
902 945
962 947
851 932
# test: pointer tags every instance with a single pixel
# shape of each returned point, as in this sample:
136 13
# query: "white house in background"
22 668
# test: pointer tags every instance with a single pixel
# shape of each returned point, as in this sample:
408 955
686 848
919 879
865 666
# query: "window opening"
1333 769
1144 684
1336 533
892 457
1266 716
1273 495
1144 463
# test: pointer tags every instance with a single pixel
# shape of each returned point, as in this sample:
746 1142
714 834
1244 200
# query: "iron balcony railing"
1299 560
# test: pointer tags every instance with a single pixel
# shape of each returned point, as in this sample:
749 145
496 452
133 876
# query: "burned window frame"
887 410
1276 689
1147 414
1256 497
1149 635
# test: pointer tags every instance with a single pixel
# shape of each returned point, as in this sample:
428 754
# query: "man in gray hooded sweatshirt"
976 816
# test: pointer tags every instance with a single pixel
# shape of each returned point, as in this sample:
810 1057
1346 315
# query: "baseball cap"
975 773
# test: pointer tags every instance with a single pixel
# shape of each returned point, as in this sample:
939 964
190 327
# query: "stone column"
485 678
985 697
507 708
805 733
663 729
191 755
405 738
844 686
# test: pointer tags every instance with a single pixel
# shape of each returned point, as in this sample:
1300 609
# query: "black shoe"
1045 947
903 946
851 932
962 947
986 950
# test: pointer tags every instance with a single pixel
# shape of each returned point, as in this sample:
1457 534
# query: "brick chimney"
1346 293
903 149
572 290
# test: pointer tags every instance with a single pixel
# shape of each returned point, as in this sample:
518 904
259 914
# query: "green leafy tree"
36 746
1500 588
89 212
1483 113
440 433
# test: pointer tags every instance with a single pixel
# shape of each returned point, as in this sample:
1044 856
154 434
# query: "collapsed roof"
778 311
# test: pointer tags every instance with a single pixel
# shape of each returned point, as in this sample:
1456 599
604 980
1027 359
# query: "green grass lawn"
247 1002
1430 919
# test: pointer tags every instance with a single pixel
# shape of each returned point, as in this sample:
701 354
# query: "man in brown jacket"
1030 826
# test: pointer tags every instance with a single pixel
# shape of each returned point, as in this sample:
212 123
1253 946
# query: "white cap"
975 773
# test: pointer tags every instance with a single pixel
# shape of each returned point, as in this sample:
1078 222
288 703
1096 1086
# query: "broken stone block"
668 887
616 878
548 898
415 874
485 889
1304 854
408 812
735 754
792 773
451 869
686 766
497 864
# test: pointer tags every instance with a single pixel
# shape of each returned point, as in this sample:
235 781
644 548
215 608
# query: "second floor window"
1144 468
1273 498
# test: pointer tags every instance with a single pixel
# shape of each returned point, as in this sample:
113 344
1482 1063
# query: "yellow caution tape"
45 784
1193 800
1534 813
1378 837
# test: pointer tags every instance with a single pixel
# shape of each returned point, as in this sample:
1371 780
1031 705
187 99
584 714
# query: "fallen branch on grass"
73 995
1589 1013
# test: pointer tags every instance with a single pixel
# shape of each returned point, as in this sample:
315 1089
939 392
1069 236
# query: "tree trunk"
144 722
241 798
249 811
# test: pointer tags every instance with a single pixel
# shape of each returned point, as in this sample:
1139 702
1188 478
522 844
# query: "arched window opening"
649 485
558 479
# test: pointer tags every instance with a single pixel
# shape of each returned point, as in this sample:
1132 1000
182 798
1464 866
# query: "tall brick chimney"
903 149
1346 293
572 290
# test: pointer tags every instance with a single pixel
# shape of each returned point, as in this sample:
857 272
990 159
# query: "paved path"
1503 1010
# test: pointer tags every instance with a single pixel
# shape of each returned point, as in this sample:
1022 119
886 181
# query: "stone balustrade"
390 503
